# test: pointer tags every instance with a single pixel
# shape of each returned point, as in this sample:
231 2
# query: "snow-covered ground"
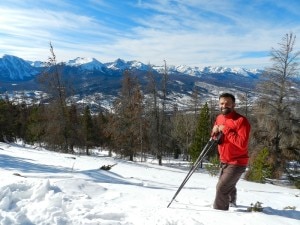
42 187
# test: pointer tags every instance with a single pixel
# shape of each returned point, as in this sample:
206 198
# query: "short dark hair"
227 95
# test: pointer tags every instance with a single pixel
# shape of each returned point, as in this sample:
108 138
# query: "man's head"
226 103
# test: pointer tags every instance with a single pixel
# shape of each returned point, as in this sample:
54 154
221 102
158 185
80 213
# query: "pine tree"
74 134
35 124
202 133
88 131
8 117
260 167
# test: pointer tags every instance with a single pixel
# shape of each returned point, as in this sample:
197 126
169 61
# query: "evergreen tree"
74 134
100 122
8 117
260 166
202 133
35 128
213 167
23 113
88 129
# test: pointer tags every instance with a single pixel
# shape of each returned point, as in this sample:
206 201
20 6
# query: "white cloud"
191 32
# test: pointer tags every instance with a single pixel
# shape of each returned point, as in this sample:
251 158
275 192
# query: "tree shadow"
104 176
23 165
292 214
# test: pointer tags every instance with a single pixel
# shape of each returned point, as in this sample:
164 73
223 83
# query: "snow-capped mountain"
37 64
121 64
199 71
91 79
14 68
86 63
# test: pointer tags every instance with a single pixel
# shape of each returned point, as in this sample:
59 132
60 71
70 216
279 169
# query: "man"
233 150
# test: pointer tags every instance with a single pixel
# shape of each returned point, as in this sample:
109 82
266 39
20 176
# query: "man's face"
226 105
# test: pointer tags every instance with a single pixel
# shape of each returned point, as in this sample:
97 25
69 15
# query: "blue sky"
233 33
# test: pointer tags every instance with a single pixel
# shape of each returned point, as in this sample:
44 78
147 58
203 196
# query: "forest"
141 126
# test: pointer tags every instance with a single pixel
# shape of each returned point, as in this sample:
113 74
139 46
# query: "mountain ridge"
18 66
94 81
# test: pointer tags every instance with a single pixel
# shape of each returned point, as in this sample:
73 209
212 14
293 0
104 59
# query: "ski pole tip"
169 204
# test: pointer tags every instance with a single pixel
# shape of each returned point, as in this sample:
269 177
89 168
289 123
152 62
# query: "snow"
86 63
43 187
199 71
15 68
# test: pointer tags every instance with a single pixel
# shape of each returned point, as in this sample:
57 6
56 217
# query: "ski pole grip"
218 138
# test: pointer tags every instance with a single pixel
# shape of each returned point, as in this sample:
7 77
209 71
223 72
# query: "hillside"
71 189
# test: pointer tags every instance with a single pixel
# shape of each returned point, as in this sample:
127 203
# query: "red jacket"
233 148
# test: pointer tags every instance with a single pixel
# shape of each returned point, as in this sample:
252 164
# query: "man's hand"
221 128
216 129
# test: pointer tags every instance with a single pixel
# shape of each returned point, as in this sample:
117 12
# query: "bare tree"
274 110
163 129
153 114
195 101
127 127
183 131
245 103
57 129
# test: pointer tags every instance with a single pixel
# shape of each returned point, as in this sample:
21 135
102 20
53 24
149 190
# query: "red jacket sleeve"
239 136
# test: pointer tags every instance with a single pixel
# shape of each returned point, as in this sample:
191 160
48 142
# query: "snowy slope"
14 68
65 189
86 63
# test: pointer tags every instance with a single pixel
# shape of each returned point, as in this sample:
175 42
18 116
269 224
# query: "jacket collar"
230 115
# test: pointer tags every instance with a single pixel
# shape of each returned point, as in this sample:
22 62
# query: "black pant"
226 190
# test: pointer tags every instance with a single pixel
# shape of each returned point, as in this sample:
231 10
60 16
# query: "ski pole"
193 168
204 152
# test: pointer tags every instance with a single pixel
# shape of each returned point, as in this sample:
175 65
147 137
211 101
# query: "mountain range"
92 79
